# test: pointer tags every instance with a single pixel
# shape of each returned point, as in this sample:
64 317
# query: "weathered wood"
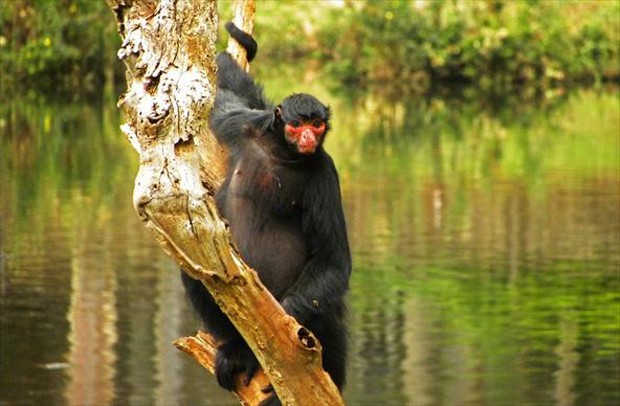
168 48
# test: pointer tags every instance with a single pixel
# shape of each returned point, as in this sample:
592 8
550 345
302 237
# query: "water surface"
485 234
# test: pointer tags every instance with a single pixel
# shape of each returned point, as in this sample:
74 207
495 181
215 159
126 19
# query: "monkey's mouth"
306 149
307 144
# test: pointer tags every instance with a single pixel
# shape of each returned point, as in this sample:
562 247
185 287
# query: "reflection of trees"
85 272
476 185
92 317
486 254
510 221
568 362
378 349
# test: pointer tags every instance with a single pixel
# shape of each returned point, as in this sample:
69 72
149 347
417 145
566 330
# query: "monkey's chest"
268 188
262 206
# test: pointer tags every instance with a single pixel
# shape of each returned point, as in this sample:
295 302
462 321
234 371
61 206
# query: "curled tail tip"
244 39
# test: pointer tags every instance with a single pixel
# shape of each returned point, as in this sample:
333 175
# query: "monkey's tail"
247 42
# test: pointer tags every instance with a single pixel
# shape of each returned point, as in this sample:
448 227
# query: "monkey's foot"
232 358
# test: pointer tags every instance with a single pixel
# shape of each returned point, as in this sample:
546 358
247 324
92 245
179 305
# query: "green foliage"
52 44
480 42
285 29
49 44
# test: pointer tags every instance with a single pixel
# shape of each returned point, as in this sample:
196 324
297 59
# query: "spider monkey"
281 199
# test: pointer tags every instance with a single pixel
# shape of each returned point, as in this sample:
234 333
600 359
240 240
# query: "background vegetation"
55 45
51 45
418 43
484 225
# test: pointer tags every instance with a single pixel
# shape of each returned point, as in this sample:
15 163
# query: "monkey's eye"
317 123
295 123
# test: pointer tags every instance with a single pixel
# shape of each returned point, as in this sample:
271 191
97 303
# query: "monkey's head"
305 121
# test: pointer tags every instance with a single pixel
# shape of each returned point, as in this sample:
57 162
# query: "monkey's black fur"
243 38
285 214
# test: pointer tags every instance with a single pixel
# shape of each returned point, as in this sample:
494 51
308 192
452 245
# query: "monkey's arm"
231 78
232 123
325 278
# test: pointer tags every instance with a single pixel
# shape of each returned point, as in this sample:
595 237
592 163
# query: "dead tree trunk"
168 48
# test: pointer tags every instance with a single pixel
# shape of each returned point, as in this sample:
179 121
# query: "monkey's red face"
305 136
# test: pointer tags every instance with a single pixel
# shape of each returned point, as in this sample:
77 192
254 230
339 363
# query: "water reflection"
92 328
486 242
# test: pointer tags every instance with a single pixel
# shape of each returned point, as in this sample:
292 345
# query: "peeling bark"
168 48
